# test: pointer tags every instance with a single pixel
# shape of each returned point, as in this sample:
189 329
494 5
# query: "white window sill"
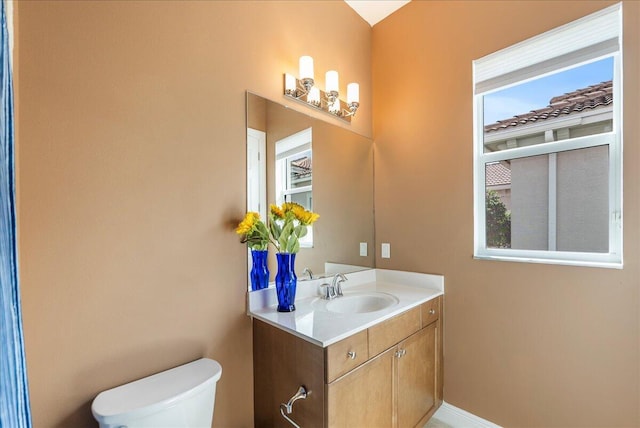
565 262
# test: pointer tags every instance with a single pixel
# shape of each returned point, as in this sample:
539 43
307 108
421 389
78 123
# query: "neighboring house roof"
592 97
497 175
301 167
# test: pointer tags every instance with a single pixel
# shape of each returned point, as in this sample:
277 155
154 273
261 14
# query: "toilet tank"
180 397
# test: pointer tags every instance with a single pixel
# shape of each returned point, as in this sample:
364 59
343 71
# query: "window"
548 146
294 173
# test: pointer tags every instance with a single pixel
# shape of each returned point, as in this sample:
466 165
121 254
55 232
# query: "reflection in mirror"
292 157
293 178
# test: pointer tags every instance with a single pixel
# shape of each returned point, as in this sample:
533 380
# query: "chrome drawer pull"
351 354
432 311
401 353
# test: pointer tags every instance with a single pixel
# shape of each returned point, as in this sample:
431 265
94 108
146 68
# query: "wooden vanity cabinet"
416 377
363 397
281 363
389 375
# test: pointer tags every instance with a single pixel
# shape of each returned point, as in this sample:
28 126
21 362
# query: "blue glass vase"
259 270
286 282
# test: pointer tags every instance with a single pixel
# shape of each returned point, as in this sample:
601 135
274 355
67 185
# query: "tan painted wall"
525 344
131 177
131 134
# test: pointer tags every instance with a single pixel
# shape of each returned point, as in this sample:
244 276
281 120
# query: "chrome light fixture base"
326 102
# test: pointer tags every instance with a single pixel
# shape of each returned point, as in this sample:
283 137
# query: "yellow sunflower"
291 207
248 223
306 217
276 211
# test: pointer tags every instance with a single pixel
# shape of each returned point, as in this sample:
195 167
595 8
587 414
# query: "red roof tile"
497 174
591 97
301 167
303 163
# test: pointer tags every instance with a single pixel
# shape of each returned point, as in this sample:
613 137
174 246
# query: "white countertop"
310 321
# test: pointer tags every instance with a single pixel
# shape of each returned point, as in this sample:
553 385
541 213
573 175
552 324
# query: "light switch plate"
386 251
363 249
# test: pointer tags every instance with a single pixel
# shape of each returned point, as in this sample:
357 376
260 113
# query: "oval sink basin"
361 303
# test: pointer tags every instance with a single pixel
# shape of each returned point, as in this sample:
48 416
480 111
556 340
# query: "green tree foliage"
498 222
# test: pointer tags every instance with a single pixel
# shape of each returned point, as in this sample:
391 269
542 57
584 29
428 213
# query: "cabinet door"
416 377
282 363
363 397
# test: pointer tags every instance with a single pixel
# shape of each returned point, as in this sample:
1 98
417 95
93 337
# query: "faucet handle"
329 291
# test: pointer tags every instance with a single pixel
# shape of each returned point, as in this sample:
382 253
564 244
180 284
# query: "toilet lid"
155 392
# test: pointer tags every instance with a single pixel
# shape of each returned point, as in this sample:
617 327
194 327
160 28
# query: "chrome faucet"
335 289
338 279
308 271
329 291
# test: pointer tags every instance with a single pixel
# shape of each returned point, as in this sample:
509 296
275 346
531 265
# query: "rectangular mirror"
292 157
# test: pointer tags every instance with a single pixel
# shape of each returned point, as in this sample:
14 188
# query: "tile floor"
437 423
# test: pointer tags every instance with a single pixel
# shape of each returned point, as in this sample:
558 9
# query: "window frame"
285 187
286 150
613 139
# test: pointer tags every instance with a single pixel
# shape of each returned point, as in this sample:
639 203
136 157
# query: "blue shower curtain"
14 393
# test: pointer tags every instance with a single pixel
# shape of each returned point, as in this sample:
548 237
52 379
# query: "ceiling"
374 11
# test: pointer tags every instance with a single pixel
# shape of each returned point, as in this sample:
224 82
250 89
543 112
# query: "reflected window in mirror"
257 172
294 174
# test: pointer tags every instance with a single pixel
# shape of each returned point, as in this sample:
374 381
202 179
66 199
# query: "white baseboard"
458 418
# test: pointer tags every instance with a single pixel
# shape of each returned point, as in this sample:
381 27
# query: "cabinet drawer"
346 355
386 334
431 311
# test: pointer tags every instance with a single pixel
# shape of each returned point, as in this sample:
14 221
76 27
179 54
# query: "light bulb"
331 81
353 93
289 83
306 67
334 107
314 96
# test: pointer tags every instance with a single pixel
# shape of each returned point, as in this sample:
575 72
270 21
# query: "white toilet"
180 397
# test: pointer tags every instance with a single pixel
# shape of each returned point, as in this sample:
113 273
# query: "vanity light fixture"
302 89
313 97
306 72
331 85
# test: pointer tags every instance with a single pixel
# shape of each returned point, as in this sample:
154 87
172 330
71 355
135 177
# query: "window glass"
571 103
294 174
551 202
300 170
298 183
582 192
